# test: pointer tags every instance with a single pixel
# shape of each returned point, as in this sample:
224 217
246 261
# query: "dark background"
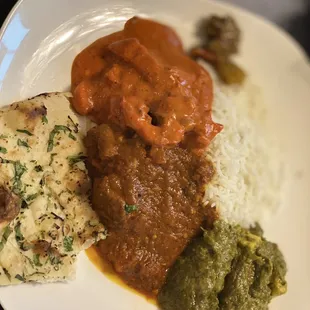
292 15
5 7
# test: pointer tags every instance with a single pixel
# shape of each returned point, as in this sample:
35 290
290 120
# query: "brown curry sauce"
153 107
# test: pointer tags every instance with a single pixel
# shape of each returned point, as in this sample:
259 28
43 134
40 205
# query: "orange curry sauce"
141 78
105 267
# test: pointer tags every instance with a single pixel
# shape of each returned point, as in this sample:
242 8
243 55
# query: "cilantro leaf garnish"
44 119
3 150
20 169
68 243
20 278
57 129
130 208
24 131
18 234
23 143
36 260
75 159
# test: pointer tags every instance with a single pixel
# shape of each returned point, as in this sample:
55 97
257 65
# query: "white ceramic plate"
38 43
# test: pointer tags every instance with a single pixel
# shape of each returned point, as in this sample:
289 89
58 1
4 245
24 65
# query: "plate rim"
281 33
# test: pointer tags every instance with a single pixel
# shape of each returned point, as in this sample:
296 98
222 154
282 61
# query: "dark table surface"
292 15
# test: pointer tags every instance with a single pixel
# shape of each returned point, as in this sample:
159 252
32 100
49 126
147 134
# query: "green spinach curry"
228 268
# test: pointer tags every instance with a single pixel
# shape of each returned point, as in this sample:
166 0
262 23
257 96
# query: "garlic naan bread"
45 213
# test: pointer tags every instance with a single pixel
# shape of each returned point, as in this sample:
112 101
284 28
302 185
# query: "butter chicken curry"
140 78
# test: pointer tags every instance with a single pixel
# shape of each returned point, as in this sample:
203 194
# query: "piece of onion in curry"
152 104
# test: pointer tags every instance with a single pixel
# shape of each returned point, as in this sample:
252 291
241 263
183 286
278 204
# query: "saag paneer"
228 268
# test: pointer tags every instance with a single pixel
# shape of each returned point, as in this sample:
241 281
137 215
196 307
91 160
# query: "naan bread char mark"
9 206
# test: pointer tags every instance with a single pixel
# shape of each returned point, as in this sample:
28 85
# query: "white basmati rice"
248 182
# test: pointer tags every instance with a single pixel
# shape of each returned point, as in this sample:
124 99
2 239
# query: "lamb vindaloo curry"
150 202
152 104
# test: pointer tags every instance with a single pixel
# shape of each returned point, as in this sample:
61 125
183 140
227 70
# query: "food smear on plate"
45 214
162 169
